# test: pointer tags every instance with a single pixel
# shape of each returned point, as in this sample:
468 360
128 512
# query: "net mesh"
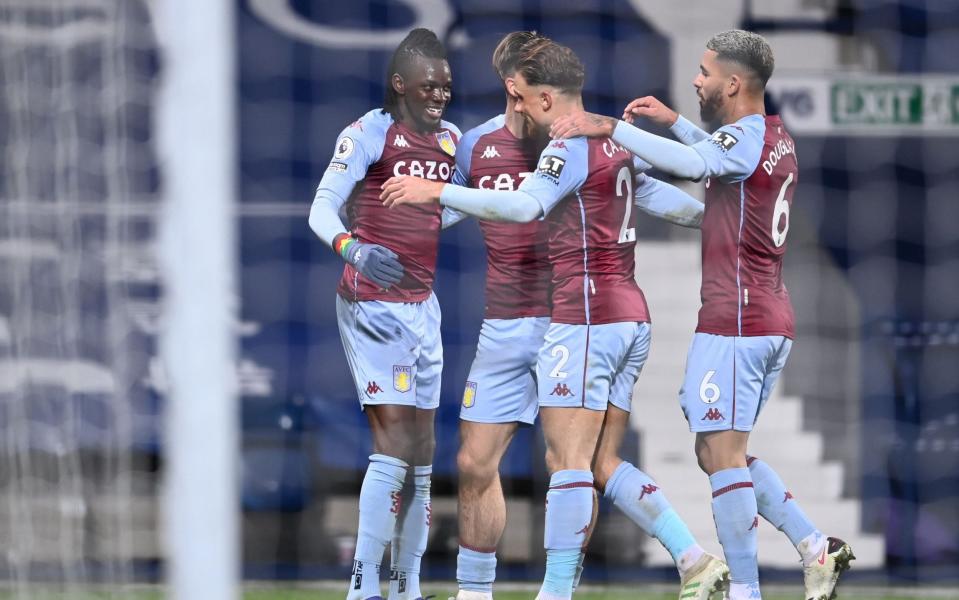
78 292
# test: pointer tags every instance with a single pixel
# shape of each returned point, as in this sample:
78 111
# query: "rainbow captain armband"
342 242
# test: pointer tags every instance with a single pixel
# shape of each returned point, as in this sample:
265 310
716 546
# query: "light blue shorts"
591 366
729 378
394 350
502 381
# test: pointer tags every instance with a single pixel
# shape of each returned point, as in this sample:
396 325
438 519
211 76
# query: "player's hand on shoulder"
405 189
582 123
377 263
652 108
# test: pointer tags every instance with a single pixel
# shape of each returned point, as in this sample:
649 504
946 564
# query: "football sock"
569 510
638 496
380 502
476 570
777 506
410 536
744 591
688 558
579 570
734 511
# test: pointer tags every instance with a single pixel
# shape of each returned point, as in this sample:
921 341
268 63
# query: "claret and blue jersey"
752 172
586 190
368 152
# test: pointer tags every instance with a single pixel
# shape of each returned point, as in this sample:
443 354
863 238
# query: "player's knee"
703 461
474 469
712 460
424 446
603 469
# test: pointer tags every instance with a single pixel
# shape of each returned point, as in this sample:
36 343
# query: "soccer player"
598 336
388 316
500 393
745 326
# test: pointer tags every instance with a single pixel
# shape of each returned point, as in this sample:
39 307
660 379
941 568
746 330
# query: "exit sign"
868 105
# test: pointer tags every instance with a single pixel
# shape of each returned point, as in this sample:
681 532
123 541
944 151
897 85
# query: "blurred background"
864 426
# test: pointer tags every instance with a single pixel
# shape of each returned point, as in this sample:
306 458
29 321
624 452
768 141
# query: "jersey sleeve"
561 170
357 147
464 158
640 165
686 132
732 153
667 202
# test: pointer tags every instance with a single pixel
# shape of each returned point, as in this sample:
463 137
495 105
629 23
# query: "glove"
378 264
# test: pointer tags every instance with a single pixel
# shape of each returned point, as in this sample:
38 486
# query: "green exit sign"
912 103
877 104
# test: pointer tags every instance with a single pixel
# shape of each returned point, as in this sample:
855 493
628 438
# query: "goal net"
79 292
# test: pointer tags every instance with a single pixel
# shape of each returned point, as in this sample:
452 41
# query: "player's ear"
734 85
399 86
545 101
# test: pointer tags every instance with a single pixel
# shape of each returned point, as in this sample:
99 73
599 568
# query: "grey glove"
378 264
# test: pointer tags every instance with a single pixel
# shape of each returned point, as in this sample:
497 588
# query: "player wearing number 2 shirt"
745 327
599 334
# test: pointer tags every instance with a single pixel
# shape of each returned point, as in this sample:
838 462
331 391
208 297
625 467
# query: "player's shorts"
729 378
502 382
591 366
394 350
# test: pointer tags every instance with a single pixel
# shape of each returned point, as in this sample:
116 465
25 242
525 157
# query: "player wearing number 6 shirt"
599 334
388 317
745 325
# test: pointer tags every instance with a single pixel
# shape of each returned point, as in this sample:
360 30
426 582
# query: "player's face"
710 85
510 84
426 92
529 103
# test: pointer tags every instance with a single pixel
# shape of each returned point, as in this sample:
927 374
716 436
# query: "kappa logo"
396 501
469 394
551 166
713 414
400 142
648 489
755 524
372 388
429 514
357 124
788 496
584 530
402 378
562 390
558 144
724 140
399 578
490 152
357 574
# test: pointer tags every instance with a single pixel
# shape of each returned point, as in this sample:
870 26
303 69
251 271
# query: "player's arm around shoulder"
733 151
562 168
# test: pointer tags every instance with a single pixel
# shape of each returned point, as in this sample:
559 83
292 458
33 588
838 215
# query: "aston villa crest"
469 394
402 378
445 138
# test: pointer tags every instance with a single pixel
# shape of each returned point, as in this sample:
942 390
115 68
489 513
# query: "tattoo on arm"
602 121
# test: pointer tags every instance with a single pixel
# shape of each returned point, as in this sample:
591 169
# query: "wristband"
342 242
